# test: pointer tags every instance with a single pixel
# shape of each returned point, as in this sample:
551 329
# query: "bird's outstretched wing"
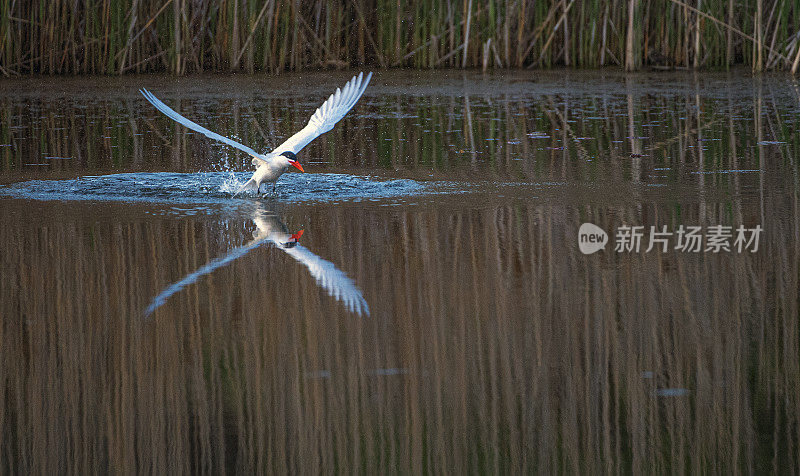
193 126
331 279
327 115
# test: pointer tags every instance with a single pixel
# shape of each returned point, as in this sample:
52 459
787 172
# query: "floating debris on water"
741 171
316 374
326 374
391 371
672 392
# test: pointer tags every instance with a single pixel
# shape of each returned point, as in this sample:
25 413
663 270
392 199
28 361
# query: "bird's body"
269 167
269 171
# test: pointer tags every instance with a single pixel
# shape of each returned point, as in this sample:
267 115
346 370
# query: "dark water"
436 315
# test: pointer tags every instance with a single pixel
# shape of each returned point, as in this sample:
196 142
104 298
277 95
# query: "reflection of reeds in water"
456 134
180 36
513 350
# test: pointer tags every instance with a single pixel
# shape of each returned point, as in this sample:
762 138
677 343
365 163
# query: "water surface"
441 317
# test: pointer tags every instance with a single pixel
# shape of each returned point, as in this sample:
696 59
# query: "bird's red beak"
297 235
297 165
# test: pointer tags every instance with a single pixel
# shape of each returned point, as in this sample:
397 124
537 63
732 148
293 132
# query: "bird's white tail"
249 185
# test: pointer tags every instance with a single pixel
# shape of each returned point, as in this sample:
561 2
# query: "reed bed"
182 36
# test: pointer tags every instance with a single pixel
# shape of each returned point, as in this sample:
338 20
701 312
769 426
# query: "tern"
270 166
270 229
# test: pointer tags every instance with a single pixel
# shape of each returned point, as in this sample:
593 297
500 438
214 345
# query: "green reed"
179 36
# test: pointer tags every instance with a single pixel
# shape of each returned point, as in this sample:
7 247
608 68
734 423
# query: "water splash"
210 187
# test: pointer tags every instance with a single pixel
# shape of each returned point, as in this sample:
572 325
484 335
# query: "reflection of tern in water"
270 229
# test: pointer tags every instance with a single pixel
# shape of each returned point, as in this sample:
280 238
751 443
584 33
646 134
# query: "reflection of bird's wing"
331 278
191 278
193 126
327 115
327 275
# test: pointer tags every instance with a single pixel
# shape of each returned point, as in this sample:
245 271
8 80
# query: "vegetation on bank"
185 36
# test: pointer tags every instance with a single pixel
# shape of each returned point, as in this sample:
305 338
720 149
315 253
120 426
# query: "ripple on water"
209 188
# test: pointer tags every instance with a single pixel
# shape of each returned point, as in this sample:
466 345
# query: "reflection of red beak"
297 235
297 165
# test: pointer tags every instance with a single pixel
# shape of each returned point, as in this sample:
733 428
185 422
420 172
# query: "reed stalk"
179 36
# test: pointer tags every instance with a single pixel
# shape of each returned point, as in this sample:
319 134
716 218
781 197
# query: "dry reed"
179 36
